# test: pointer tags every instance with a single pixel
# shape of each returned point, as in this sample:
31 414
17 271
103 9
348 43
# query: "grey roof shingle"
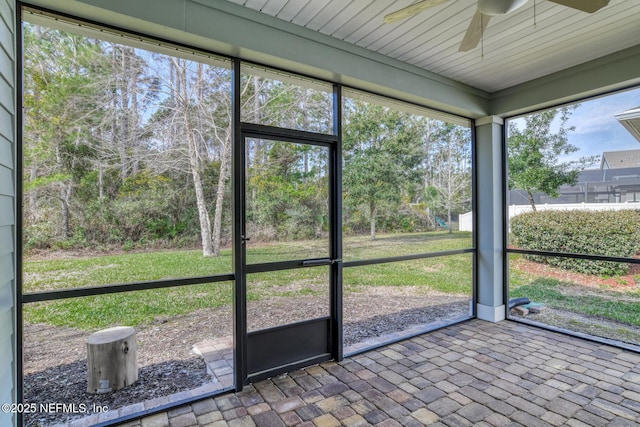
620 159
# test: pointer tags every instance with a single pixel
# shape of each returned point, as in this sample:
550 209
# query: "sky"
597 129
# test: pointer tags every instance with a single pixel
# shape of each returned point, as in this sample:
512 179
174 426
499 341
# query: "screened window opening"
574 219
407 194
126 199
276 98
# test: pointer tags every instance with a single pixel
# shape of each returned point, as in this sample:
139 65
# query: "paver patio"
473 373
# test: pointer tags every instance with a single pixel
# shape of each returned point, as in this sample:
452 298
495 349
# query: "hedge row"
610 233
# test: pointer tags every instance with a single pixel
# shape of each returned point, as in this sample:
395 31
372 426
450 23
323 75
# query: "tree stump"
111 359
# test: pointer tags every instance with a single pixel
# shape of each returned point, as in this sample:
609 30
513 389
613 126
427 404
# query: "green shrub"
608 233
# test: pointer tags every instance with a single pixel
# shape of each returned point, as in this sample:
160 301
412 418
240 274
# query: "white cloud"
598 115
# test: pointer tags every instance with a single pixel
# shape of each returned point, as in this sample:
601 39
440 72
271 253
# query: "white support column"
489 148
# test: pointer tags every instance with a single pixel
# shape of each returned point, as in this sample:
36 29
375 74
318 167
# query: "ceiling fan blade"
588 6
411 10
474 33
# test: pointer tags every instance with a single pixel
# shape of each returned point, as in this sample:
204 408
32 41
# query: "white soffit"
631 121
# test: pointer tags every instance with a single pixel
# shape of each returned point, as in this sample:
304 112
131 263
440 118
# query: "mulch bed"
621 283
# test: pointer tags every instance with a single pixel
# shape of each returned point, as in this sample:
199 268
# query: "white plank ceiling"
513 50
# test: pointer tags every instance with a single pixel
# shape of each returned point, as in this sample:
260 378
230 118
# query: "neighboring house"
606 185
620 159
617 180
596 189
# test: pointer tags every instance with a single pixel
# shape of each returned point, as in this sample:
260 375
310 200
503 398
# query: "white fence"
466 219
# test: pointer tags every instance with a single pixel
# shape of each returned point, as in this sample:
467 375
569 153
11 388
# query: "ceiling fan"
487 9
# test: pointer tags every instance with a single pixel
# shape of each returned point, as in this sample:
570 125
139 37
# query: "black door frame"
283 348
250 366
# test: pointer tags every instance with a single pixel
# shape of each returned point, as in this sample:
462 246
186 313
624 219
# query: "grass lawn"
605 304
444 274
451 274
130 308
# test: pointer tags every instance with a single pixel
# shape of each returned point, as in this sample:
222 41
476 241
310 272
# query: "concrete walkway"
475 373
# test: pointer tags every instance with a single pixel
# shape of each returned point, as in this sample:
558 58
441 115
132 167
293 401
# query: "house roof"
610 175
620 159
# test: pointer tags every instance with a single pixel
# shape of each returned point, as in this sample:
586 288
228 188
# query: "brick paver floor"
474 373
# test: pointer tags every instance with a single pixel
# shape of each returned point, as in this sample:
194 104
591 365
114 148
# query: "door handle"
245 239
316 262
320 261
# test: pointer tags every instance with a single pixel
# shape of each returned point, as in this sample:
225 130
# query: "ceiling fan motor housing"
499 7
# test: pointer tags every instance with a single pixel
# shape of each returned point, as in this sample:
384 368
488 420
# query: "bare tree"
450 187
